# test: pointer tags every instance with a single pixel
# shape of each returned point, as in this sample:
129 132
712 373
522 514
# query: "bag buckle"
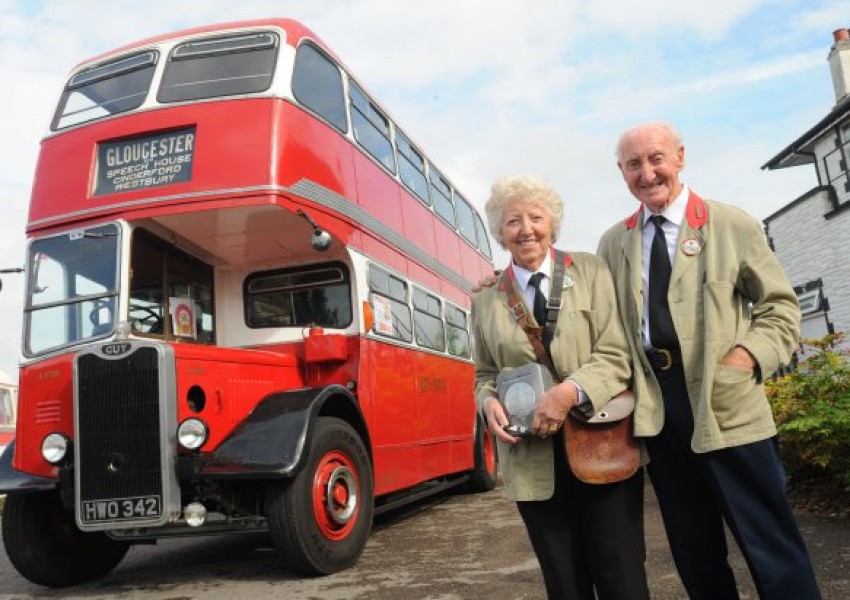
518 311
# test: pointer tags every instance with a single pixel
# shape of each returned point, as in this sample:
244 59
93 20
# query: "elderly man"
708 313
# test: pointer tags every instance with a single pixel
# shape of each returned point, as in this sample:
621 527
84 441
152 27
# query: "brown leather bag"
602 448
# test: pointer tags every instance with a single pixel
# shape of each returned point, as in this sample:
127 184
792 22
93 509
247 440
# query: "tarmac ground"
452 547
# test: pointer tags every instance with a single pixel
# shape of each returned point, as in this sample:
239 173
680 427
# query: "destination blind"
145 162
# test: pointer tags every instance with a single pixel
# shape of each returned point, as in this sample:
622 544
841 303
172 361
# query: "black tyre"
482 478
45 545
320 519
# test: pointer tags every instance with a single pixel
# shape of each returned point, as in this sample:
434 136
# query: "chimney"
839 63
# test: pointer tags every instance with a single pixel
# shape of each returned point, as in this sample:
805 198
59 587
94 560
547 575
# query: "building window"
835 166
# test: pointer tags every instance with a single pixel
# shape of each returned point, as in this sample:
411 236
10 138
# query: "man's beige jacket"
727 288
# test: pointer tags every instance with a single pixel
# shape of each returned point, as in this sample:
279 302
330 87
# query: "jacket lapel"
692 239
631 246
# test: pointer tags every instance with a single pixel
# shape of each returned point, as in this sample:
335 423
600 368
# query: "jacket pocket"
737 399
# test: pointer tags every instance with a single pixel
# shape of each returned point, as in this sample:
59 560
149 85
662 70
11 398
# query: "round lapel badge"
691 247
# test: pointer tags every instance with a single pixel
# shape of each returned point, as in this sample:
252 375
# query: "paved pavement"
452 548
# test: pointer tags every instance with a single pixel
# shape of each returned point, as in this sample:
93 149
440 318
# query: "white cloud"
710 19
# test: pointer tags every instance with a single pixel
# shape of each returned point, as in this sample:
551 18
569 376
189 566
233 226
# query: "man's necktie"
539 299
662 334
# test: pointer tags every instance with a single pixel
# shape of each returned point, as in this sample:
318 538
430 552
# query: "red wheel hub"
336 495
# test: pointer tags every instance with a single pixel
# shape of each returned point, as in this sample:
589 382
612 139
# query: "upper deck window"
465 220
221 66
107 89
411 167
371 127
483 240
441 193
317 84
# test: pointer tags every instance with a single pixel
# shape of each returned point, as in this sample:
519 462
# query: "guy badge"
568 282
691 247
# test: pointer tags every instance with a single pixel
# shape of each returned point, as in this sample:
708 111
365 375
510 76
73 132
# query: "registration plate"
121 509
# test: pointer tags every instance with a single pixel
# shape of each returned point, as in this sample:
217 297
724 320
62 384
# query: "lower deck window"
315 295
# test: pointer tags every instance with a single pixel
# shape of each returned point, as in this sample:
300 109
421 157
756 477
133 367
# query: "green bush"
811 406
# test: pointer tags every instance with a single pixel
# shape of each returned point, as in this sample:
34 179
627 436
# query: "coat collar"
696 217
696 213
511 277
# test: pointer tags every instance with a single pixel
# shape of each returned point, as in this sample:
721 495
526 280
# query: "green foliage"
811 406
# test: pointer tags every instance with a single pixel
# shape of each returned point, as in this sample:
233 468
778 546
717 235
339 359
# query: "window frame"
343 125
344 279
99 73
436 180
364 110
450 310
398 298
404 149
425 314
164 89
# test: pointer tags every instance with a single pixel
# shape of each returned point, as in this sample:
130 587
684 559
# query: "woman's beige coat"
589 347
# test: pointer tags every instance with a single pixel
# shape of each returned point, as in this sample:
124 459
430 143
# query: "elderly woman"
588 538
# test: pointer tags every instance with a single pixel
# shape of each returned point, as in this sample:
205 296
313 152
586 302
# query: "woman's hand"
552 408
497 420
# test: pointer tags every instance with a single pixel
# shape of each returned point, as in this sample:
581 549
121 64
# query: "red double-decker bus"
247 309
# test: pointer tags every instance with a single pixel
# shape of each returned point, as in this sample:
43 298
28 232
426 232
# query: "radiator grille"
118 429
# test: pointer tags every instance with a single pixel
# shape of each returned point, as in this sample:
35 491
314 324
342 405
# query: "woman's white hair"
526 187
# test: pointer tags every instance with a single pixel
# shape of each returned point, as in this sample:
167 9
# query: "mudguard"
13 481
270 442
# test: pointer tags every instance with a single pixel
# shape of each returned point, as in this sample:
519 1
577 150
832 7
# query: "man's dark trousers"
743 485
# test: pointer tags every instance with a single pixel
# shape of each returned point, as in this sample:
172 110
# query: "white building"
810 235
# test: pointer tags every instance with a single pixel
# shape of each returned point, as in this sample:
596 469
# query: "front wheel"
45 545
320 519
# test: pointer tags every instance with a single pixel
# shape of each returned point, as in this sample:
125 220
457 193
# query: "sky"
486 88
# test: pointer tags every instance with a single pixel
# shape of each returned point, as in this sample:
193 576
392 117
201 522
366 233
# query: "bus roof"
295 30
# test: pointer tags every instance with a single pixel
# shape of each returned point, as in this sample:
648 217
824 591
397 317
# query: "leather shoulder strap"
554 302
516 307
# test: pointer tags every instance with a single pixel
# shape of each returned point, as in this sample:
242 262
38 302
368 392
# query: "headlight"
54 447
192 433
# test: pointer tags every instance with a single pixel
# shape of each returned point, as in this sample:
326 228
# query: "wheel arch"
271 442
346 408
13 481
